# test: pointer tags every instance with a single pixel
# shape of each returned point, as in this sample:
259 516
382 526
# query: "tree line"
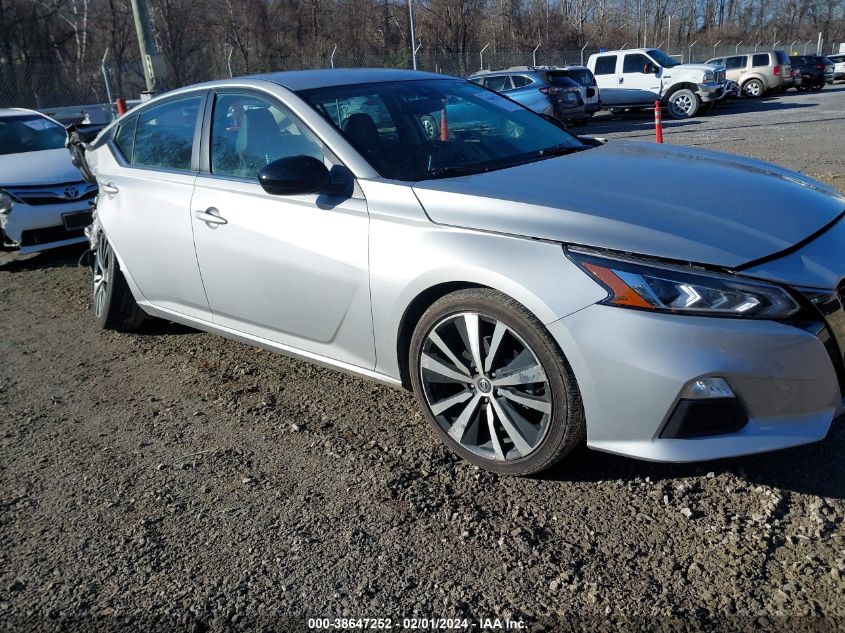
56 46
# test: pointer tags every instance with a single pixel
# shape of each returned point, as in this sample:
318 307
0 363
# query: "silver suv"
531 287
758 74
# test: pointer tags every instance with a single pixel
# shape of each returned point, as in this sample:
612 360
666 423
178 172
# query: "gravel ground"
179 481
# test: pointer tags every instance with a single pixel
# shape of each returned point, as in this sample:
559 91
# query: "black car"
811 71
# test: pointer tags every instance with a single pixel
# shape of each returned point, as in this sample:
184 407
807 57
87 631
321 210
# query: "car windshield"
438 128
29 133
662 58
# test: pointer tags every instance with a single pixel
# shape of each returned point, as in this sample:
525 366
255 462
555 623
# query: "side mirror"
650 69
294 175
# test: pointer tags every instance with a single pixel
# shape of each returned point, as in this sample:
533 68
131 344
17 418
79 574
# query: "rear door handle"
210 216
109 188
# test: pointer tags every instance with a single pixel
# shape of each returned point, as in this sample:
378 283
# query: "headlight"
5 202
682 290
708 76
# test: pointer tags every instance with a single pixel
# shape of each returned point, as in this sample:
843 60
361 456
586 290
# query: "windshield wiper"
561 150
453 172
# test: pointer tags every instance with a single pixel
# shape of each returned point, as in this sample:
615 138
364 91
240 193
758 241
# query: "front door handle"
621 80
210 216
109 188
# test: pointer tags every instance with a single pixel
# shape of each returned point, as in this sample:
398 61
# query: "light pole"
413 34
669 34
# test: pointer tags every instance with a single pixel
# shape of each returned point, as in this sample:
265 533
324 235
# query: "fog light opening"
706 388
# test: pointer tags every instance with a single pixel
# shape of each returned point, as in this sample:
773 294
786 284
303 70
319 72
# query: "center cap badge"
484 385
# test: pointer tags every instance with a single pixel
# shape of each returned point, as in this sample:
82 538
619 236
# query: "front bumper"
709 91
632 366
730 90
31 228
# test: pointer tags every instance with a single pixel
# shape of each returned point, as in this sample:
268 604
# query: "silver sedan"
533 288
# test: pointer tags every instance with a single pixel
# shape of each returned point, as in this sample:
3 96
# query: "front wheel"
493 383
112 302
683 104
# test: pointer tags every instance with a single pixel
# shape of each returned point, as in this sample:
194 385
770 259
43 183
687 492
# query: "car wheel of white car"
493 383
112 302
753 88
683 104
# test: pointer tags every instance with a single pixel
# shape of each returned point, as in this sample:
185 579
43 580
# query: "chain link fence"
45 85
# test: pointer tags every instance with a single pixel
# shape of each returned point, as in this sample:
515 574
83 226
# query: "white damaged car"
44 202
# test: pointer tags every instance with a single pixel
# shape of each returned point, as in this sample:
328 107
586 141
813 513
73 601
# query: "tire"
112 302
753 89
538 422
683 104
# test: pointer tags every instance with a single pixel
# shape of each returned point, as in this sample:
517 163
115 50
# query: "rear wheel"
493 383
112 302
753 88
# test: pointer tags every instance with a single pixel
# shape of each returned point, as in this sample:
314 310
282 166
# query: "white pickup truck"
636 78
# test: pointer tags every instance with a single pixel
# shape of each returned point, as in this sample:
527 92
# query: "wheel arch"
679 86
412 315
758 77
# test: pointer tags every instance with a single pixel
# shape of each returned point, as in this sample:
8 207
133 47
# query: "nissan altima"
534 289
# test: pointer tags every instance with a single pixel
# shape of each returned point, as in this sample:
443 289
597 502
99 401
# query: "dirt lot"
176 480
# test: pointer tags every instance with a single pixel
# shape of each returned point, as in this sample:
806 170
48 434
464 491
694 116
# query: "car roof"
296 80
7 112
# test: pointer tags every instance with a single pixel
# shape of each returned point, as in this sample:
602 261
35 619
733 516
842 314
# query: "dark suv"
812 72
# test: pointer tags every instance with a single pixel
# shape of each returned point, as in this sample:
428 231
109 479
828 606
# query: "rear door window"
499 84
164 136
520 80
605 65
733 63
583 76
761 59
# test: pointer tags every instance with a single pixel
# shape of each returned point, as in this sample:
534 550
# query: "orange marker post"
121 106
444 124
658 123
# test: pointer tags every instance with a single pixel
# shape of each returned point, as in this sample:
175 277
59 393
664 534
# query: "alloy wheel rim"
485 387
683 104
753 89
101 268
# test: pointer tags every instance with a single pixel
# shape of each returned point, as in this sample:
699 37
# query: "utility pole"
413 34
147 45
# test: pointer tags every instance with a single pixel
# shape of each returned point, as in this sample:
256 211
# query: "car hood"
679 203
47 167
694 67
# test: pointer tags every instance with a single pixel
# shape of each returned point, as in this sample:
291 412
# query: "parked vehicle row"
637 78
